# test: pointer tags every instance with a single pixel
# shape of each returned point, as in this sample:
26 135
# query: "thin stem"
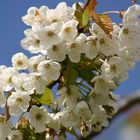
20 117
84 86
111 12
7 111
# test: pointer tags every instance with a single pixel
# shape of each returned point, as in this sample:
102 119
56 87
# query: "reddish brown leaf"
104 21
88 9
91 5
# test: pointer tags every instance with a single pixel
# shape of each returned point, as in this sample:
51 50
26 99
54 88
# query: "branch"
7 112
111 12
125 104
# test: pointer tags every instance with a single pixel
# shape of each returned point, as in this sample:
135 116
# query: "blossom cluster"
84 100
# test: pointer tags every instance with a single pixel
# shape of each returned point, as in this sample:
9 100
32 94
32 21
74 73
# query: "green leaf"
85 17
86 73
47 97
28 134
72 75
79 8
78 13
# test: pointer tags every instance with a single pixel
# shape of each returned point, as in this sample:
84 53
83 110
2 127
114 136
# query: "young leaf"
102 20
78 13
86 73
105 23
85 17
89 7
28 134
47 97
72 75
79 8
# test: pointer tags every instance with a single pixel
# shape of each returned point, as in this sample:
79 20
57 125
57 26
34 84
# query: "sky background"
12 27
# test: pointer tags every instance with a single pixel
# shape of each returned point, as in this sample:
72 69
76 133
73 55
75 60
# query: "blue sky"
12 27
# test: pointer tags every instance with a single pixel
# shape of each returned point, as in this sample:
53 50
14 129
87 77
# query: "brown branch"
7 112
125 104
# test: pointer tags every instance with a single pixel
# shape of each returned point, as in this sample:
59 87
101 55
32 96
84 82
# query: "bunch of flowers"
79 60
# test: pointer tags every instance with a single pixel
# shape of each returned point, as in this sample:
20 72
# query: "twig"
7 111
111 12
124 105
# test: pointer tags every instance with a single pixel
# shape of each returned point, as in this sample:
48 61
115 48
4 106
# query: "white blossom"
34 62
57 52
48 35
61 13
2 68
90 50
34 83
132 13
115 67
18 102
20 61
31 42
67 98
49 70
5 129
38 118
54 120
6 78
69 31
70 119
35 16
129 35
76 48
15 135
107 46
83 111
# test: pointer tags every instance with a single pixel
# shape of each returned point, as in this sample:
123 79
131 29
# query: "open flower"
38 118
115 67
34 62
31 42
83 110
90 50
15 135
57 52
35 16
49 70
20 61
69 31
18 102
48 35
6 78
76 48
